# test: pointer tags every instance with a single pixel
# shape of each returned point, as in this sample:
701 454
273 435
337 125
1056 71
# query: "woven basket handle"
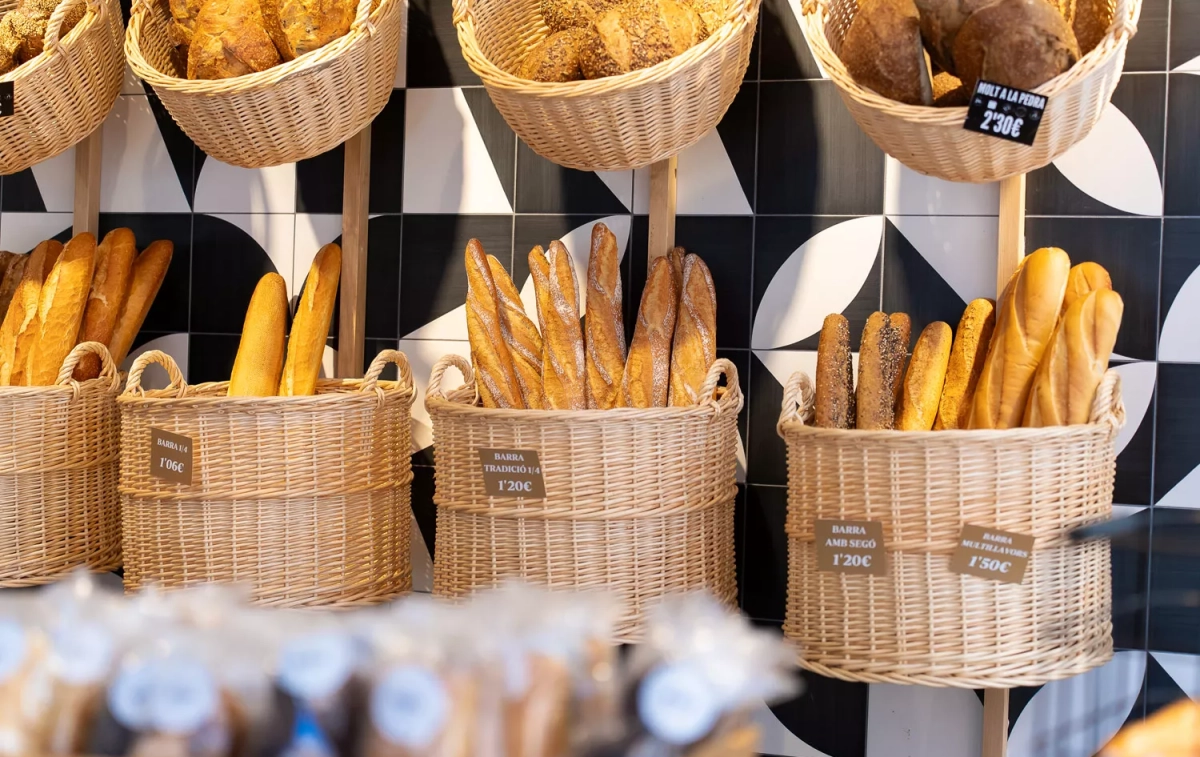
108 369
732 398
134 385
463 365
54 25
1107 407
798 401
810 7
1125 18
382 360
362 18
462 9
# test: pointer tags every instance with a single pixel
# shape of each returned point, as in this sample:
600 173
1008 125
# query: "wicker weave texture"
65 93
306 499
932 141
637 501
287 113
610 124
921 623
58 475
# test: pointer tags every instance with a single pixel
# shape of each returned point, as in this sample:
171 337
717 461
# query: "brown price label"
512 473
991 553
170 456
851 546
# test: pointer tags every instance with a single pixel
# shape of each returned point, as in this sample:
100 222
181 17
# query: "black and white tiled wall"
799 215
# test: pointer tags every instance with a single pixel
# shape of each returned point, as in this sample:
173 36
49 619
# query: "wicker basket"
306 499
609 124
65 93
287 113
920 623
58 475
637 501
932 140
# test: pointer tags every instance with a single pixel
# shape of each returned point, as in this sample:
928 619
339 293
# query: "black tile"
813 158
211 356
911 285
1161 688
1185 32
545 187
21 193
1129 248
225 270
422 504
434 56
1181 258
540 230
738 130
830 716
371 350
1183 145
1135 463
764 563
785 53
169 313
1177 430
1174 607
1130 566
766 454
383 279
741 361
1147 50
498 137
186 158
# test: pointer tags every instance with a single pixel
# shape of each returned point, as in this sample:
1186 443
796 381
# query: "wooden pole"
662 207
87 184
352 315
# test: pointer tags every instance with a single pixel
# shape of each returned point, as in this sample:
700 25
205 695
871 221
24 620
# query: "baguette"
495 377
12 266
676 256
564 373
880 370
110 286
60 310
149 270
1024 324
966 364
19 329
648 367
1066 379
834 404
521 335
604 321
925 378
259 362
310 328
694 348
1082 279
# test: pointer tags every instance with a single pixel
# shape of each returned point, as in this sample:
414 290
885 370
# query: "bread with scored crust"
12 267
925 378
61 304
149 272
604 322
110 286
834 402
694 348
521 335
564 371
967 355
648 367
1084 279
310 327
495 376
230 39
19 329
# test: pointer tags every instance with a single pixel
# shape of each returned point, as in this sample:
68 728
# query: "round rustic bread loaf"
554 59
638 35
1089 20
940 22
1016 43
570 14
882 50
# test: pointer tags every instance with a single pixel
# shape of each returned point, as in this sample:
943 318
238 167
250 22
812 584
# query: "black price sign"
991 553
1005 112
7 94
512 473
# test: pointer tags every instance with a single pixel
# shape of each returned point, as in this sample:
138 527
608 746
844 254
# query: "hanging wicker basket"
920 623
932 141
638 501
610 124
305 499
65 93
289 112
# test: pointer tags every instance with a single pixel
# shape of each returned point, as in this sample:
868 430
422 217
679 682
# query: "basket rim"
93 16
336 391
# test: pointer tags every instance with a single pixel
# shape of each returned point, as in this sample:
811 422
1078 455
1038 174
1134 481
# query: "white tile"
1184 670
274 232
907 192
962 249
1113 164
1180 339
55 180
21 232
313 231
223 188
917 721
707 183
422 354
137 174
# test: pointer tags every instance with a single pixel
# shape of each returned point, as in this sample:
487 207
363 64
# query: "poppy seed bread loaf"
554 59
637 35
573 14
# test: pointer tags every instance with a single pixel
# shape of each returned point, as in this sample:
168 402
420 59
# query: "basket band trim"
201 494
583 511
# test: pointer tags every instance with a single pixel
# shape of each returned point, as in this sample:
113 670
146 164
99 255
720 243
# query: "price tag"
313 667
1005 112
676 704
174 696
12 648
851 546
991 553
409 706
512 473
170 456
7 98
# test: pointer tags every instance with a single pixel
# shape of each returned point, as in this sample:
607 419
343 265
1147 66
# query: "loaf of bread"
149 270
1083 279
1025 320
569 14
941 21
637 34
648 368
949 91
110 286
19 329
301 26
310 327
520 335
1070 371
966 364
835 401
1089 19
1014 43
676 256
556 58
259 362
23 30
882 50
605 322
925 378
712 13
1173 731
183 21
12 267
880 370
694 348
495 376
230 39
61 304
564 371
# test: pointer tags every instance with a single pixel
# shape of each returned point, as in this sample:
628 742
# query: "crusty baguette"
1066 379
676 256
925 378
1173 731
834 403
881 369
605 322
12 266
149 270
521 335
259 362
648 367
60 310
1084 278
694 348
564 372
966 364
1025 322
19 329
310 327
495 377
110 285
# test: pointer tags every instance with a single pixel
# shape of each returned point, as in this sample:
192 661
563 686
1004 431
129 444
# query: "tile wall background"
798 215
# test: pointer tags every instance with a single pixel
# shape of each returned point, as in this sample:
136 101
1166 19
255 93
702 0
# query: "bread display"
882 50
61 304
20 326
23 30
880 370
605 323
636 35
522 337
966 364
310 328
648 368
230 39
694 347
835 400
1083 279
149 272
925 378
259 362
12 267
572 14
110 286
564 372
1014 43
495 377
556 58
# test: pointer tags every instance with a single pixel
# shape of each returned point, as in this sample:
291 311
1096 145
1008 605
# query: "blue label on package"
1005 112
7 89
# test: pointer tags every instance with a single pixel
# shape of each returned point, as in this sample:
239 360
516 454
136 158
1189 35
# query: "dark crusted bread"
1014 43
883 51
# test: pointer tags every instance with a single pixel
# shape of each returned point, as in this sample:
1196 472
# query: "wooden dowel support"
662 206
995 722
1011 240
87 184
352 315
